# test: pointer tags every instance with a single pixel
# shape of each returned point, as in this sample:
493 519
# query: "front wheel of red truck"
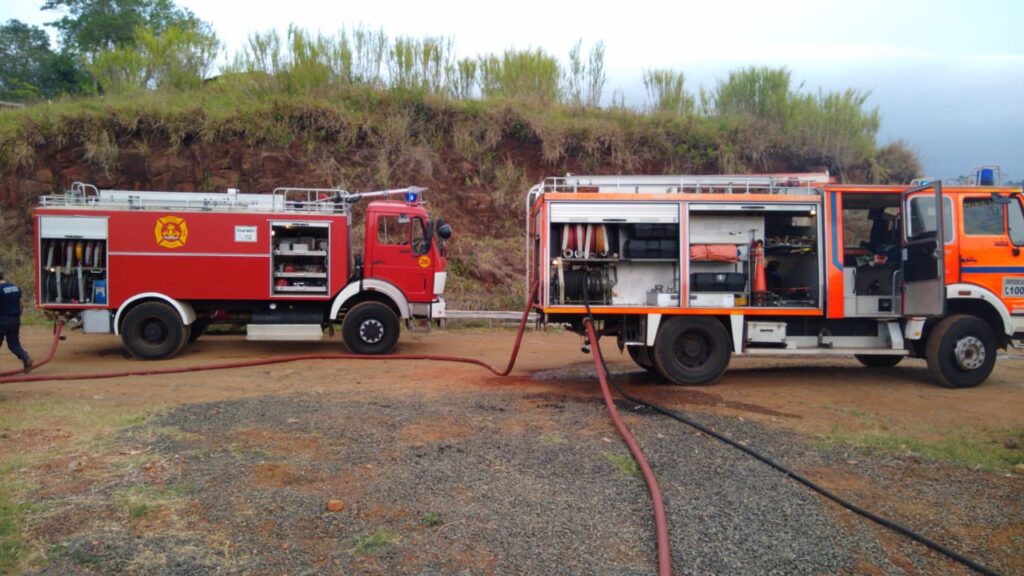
153 331
370 328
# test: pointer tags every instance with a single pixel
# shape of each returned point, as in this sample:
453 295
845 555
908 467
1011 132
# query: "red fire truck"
158 268
687 271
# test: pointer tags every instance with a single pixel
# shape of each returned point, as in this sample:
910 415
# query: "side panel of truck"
208 256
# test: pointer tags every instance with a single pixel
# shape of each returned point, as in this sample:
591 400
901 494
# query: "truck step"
825 351
289 332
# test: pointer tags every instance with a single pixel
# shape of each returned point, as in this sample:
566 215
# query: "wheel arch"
370 290
977 301
184 309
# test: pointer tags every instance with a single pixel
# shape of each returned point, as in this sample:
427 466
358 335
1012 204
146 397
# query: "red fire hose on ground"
58 327
660 521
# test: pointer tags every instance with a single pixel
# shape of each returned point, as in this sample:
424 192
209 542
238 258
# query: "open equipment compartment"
614 254
728 243
300 256
72 260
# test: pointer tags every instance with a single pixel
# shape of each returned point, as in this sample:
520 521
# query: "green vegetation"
431 519
625 464
12 545
373 542
984 450
142 500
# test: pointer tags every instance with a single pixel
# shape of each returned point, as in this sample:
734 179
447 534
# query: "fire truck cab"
158 268
688 270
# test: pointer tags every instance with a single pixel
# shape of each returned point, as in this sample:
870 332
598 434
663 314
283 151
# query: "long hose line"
890 524
657 502
58 327
9 378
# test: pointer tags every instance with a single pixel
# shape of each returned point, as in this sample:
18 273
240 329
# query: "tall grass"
666 92
758 92
521 74
178 58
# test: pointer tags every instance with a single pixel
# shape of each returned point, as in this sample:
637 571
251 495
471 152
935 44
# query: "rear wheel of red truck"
370 328
961 351
691 351
153 331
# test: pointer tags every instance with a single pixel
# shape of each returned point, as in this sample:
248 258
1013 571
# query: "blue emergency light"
413 193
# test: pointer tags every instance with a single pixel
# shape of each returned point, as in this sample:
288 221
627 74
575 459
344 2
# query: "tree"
30 70
91 26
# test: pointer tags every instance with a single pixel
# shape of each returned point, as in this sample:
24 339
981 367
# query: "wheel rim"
969 353
154 332
693 349
371 331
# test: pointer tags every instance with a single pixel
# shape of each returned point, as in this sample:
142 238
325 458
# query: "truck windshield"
1016 220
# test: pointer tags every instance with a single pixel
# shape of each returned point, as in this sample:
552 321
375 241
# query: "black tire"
878 360
197 329
153 331
642 356
370 328
961 351
691 351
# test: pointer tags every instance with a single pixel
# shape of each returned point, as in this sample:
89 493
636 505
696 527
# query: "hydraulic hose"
58 326
10 378
890 524
660 521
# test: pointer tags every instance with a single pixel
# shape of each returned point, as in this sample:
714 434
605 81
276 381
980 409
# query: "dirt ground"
885 438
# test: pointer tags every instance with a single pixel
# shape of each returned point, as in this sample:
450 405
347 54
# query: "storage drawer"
713 300
766 332
718 281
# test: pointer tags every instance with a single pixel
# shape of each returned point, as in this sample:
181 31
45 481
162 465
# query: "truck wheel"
691 351
878 360
153 331
961 351
370 328
642 356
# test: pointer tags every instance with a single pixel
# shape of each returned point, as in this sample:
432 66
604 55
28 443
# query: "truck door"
991 239
927 228
397 251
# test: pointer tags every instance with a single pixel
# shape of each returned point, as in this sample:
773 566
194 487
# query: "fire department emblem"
424 261
171 232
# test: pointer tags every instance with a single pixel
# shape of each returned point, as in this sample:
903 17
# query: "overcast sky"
948 76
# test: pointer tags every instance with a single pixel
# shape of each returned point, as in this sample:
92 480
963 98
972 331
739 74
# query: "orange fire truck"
158 268
687 271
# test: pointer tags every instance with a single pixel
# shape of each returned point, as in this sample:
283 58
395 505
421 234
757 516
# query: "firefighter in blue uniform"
10 320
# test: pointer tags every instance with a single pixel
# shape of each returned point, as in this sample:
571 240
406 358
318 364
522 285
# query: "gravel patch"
483 483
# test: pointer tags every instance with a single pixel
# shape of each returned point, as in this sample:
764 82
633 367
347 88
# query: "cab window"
922 217
983 217
1016 221
393 230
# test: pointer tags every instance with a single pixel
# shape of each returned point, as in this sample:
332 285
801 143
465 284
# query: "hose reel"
582 283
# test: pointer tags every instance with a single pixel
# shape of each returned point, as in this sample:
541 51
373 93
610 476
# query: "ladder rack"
682 184
319 200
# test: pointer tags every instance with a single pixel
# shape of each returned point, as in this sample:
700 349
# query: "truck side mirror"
444 231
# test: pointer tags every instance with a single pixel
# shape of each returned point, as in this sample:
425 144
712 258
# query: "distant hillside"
478 157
